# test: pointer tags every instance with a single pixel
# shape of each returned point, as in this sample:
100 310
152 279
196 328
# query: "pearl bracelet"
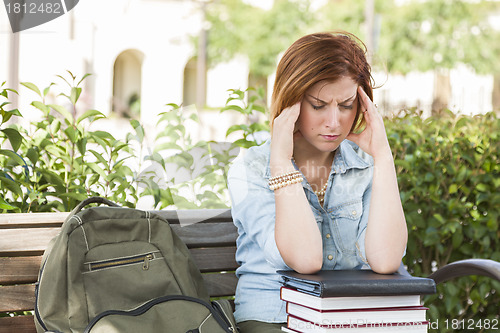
286 179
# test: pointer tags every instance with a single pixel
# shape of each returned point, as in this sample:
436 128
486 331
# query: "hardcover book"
358 316
303 326
344 302
345 283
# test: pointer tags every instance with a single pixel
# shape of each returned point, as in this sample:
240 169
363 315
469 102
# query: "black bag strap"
92 200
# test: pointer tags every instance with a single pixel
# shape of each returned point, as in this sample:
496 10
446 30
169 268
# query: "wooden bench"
24 237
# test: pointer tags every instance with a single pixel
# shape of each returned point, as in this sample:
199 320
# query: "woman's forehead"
341 89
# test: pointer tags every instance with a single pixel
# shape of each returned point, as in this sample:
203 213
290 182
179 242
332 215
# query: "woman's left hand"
373 139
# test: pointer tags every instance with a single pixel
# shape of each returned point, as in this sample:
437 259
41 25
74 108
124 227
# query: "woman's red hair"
320 57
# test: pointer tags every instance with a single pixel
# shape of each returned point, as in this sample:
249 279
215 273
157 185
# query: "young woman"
322 193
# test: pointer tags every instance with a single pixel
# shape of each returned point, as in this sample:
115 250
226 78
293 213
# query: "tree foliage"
240 28
409 35
425 35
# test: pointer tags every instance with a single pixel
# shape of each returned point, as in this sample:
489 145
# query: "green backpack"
114 269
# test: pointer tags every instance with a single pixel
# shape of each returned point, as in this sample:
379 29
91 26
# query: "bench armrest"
484 267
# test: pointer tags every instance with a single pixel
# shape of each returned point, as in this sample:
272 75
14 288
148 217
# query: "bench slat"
25 242
17 298
29 220
183 217
207 234
33 241
18 270
223 284
18 324
215 259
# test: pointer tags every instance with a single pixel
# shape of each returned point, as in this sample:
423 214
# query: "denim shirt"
342 221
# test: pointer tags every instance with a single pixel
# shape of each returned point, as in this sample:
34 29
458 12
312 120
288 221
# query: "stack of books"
354 301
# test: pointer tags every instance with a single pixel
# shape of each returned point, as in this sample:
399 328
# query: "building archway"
127 83
191 93
189 85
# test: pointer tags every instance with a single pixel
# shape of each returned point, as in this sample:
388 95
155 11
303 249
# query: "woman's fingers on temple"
291 113
366 102
295 110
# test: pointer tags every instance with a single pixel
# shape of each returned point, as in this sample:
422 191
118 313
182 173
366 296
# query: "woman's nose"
332 117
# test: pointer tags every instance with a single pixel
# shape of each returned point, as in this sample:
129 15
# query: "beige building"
140 54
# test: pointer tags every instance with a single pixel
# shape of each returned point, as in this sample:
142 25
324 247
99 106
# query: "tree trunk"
495 97
442 91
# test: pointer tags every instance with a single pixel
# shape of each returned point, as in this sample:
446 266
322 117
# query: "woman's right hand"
284 134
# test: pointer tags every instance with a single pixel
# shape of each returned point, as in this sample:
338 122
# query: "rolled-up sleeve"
253 212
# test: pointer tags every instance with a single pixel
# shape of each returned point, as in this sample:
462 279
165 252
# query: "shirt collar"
350 156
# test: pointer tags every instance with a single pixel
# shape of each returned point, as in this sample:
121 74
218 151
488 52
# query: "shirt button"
328 235
354 213
330 257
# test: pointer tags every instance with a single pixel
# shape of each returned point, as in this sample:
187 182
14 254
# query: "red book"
300 325
358 316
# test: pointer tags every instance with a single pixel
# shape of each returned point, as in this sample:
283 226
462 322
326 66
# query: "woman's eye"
347 107
317 107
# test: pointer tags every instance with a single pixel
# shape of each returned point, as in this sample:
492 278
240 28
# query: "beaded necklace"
321 193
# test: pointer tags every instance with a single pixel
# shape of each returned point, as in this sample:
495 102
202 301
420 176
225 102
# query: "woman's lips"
330 137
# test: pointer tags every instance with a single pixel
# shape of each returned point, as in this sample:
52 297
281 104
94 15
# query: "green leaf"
46 90
235 128
6 115
138 128
83 78
39 105
74 195
33 154
71 133
166 146
99 157
63 111
233 108
14 137
90 113
482 187
12 156
243 143
32 87
59 76
102 135
55 126
5 205
82 146
75 94
98 170
12 185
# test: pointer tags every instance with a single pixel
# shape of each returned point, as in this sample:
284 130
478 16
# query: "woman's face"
327 113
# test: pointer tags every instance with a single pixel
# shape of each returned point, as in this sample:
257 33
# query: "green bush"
448 172
57 162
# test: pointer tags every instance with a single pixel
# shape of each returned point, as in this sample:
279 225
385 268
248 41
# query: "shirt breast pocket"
346 218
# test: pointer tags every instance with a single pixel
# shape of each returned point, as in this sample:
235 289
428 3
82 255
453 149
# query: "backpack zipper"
225 316
37 311
145 307
144 258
